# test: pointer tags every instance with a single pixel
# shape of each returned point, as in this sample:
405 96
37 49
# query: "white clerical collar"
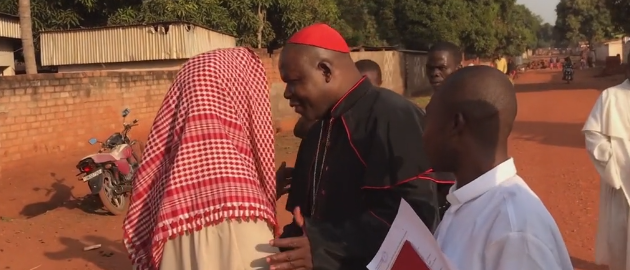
483 183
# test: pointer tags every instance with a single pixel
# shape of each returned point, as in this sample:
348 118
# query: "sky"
545 8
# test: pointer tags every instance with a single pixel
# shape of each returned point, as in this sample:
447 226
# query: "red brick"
39 109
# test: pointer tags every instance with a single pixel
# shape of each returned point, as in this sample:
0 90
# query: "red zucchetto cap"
322 36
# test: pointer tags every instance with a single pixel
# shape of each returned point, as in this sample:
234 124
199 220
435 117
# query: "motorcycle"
109 172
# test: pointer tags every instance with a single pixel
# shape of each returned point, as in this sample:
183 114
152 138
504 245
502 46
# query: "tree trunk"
26 31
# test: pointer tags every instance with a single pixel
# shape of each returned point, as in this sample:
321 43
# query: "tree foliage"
546 36
584 20
620 13
483 27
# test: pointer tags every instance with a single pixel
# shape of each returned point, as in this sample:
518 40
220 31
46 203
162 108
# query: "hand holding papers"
409 245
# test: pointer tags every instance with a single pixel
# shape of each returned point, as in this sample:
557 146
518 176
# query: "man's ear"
458 123
326 70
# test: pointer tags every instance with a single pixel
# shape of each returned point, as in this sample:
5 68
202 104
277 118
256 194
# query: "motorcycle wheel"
115 204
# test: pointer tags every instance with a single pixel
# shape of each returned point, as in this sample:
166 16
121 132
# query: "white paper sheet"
407 226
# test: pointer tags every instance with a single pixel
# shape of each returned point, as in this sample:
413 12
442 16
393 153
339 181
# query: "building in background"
608 48
9 42
159 46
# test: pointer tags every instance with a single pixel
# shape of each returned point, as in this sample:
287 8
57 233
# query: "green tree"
620 13
477 37
421 23
584 20
289 16
522 28
546 36
483 27
358 26
251 20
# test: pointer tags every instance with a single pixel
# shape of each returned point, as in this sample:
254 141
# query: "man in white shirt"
607 132
495 221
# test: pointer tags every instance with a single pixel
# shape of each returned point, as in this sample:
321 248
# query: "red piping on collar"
346 94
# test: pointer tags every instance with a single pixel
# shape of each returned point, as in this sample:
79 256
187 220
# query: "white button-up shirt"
496 222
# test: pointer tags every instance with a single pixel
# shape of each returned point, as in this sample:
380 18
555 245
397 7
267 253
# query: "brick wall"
283 115
46 113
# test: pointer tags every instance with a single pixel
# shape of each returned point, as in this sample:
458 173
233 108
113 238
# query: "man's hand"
299 257
284 176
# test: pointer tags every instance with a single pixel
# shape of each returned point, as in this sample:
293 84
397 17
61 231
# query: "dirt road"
45 223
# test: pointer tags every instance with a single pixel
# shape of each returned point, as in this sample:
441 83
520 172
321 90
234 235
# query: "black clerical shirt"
351 171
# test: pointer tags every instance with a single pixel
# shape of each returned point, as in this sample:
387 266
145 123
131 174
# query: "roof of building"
155 24
9 16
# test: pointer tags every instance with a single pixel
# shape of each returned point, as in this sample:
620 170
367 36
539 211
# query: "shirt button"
323 192
326 169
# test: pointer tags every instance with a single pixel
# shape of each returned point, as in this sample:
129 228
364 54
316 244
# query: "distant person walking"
591 59
512 72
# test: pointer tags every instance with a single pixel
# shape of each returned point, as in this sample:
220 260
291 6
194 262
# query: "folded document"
409 245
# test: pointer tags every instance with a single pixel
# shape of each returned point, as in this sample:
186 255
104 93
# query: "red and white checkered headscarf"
209 156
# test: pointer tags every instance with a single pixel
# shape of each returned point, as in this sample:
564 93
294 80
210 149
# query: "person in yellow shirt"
501 64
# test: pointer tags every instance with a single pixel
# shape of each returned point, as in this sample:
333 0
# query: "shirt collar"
482 184
351 97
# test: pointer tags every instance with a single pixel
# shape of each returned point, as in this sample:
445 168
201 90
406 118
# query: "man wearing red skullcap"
368 68
358 160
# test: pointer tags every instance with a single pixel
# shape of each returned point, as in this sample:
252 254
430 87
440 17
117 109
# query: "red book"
408 259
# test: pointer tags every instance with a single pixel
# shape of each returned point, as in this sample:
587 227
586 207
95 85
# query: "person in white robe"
607 135
495 221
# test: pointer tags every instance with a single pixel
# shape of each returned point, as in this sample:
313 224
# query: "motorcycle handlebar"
133 124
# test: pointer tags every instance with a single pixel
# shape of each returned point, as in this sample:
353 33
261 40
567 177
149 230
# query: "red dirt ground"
45 223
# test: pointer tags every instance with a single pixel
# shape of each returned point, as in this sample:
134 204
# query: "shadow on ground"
60 195
549 133
583 79
110 256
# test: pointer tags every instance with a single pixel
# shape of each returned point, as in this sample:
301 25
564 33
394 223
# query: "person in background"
591 59
495 221
567 70
356 163
368 68
371 70
511 70
443 59
607 136
204 196
558 63
582 63
501 64
552 63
